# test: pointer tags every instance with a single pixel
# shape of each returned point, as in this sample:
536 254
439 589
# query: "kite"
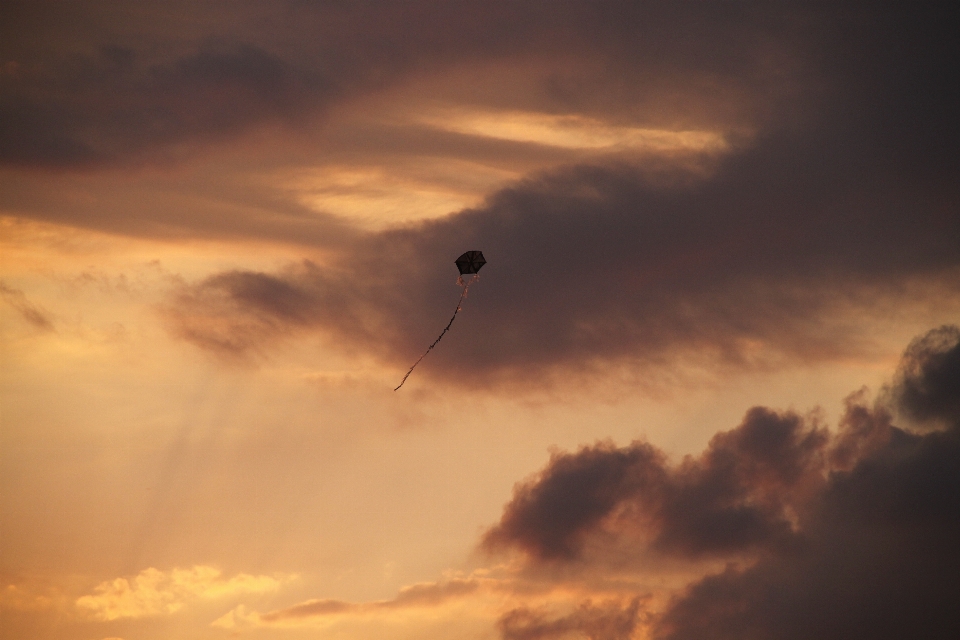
469 263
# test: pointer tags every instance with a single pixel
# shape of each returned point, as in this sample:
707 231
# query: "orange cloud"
153 592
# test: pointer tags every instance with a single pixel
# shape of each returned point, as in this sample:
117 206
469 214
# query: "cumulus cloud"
927 385
153 592
740 494
879 559
849 534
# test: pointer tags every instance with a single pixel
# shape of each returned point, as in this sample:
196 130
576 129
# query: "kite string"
463 294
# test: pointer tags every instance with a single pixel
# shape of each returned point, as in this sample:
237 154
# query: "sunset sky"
707 385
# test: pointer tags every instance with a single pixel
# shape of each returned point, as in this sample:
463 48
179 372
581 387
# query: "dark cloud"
115 107
782 251
839 189
879 559
851 535
550 515
863 430
606 621
928 382
737 496
85 86
595 264
743 491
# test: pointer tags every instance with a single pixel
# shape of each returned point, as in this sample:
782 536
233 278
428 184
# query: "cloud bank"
834 196
595 265
787 246
849 535
129 90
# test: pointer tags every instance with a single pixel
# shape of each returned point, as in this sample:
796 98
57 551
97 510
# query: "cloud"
115 107
154 592
594 265
549 516
234 312
927 385
849 534
738 495
421 596
104 101
32 314
879 559
606 621
840 177
787 248
819 216
574 132
781 528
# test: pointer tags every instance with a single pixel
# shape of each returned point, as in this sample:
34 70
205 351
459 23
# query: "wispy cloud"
423 596
31 313
573 131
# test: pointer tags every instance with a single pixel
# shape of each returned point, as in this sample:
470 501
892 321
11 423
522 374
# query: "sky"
707 385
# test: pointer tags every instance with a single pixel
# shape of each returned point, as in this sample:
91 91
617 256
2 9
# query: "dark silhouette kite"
469 263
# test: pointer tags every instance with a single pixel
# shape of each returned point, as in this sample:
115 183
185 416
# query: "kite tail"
463 294
466 285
